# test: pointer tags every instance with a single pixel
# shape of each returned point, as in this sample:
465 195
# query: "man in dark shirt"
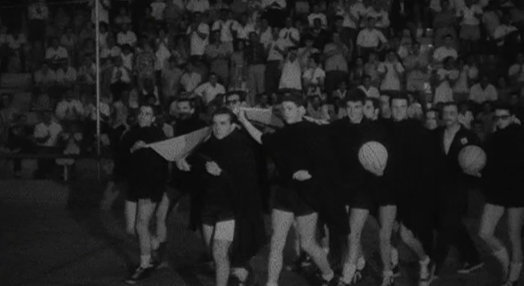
146 173
256 56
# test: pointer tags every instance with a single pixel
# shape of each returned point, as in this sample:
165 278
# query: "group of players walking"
420 196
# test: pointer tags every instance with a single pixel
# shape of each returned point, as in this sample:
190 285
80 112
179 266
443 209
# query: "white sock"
145 260
271 284
240 273
361 262
394 256
329 276
348 272
425 261
514 271
424 271
503 257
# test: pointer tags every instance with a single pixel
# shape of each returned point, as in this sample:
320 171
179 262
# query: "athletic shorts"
138 191
371 195
289 200
223 221
470 32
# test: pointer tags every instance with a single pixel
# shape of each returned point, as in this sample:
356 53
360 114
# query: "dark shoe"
469 267
140 274
396 271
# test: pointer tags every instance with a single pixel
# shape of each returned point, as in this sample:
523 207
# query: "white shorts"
225 230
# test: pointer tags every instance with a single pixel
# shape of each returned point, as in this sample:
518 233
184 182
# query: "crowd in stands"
220 52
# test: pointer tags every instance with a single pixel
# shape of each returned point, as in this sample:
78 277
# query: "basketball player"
231 211
503 176
146 176
452 199
302 160
366 190
412 178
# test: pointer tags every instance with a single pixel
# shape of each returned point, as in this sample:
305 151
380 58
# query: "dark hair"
437 112
225 111
450 103
295 97
399 96
237 93
374 101
500 105
355 95
315 57
148 106
190 101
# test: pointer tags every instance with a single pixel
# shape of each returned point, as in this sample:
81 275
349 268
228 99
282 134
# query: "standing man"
256 60
231 212
146 174
452 199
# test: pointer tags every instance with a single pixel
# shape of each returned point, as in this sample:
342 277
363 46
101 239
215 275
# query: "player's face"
450 115
503 118
292 113
355 110
184 109
145 116
399 109
369 110
222 125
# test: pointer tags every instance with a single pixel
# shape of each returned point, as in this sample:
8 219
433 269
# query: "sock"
425 261
503 257
328 277
394 256
145 260
348 272
514 271
240 273
424 271
271 284
388 273
361 262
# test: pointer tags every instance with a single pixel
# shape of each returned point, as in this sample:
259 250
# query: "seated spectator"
291 74
465 116
290 34
190 80
314 77
120 77
47 134
87 72
56 54
357 72
263 101
417 71
209 90
414 108
41 100
127 57
317 14
242 29
516 71
69 40
45 76
317 110
432 119
200 6
444 51
69 108
483 91
370 39
66 75
87 49
443 80
371 69
464 81
126 37
367 88
391 72
110 50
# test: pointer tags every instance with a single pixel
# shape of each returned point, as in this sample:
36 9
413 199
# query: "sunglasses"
502 117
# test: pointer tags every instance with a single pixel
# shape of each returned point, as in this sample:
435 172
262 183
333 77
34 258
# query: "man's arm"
252 130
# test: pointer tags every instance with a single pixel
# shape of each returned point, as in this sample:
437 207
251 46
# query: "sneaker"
469 267
140 274
427 274
396 270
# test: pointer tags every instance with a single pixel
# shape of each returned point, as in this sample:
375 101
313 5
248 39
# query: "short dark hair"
450 103
148 106
355 95
374 101
225 111
190 101
504 106
295 97
400 96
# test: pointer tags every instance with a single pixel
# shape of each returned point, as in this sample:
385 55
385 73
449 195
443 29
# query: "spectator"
317 110
391 72
314 77
276 55
170 79
444 79
291 74
157 9
144 66
370 39
444 51
516 71
241 30
120 77
200 6
56 54
127 57
504 31
317 14
38 15
483 91
487 117
126 37
209 90
87 72
290 34
256 56
225 26
190 79
367 88
444 24
121 19
274 11
45 76
20 141
335 65
357 72
199 33
463 82
69 108
66 75
465 116
47 134
265 32
41 100
110 50
318 34
218 54
471 14
417 71
432 119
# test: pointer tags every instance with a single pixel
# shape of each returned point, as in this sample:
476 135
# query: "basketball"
374 157
472 159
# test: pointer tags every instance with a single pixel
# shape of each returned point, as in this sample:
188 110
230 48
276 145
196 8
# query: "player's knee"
485 235
308 245
220 251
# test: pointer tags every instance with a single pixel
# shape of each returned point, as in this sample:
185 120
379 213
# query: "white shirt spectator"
273 55
198 45
371 92
314 76
38 11
48 77
443 92
90 111
157 9
466 76
382 17
66 76
128 37
502 31
281 4
480 95
59 53
120 74
442 52
517 71
162 56
52 130
287 33
370 38
197 5
244 31
190 81
266 37
15 44
311 19
127 60
208 92
107 52
291 75
469 14
69 110
393 72
224 28
359 10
